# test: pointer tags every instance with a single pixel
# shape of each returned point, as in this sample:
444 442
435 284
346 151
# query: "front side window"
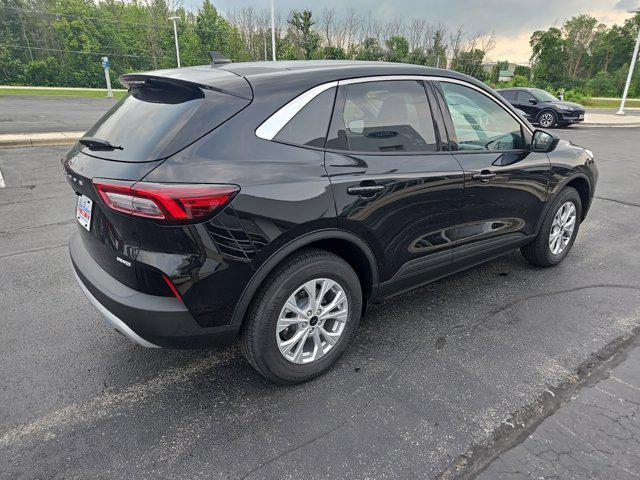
544 96
309 126
387 116
479 122
525 97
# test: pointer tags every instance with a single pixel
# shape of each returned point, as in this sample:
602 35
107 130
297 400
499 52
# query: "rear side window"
509 95
158 119
387 116
309 126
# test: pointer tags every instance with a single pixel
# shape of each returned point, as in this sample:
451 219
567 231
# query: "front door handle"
484 176
365 190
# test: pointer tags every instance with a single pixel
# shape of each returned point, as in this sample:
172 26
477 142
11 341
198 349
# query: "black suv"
274 201
543 108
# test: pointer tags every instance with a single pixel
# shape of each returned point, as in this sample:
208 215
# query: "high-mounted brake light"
170 202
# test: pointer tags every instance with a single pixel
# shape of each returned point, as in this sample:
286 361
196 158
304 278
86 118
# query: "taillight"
168 202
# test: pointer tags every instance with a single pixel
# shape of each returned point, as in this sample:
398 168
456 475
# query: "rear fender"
308 239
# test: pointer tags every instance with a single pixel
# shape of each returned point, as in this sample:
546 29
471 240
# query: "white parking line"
2 185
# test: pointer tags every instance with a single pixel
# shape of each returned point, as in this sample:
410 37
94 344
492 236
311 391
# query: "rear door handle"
484 176
365 190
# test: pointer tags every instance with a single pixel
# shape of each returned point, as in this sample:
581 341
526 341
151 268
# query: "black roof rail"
218 59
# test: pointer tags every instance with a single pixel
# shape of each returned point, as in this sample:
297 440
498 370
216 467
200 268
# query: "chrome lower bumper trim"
111 320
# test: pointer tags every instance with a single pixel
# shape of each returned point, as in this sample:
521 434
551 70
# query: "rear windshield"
157 120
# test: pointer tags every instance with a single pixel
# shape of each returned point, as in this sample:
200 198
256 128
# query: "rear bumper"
148 320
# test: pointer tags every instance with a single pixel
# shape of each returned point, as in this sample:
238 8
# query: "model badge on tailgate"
123 261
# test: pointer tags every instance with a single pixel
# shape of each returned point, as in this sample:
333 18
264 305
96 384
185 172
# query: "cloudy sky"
512 21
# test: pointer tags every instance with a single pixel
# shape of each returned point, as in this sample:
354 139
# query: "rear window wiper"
94 143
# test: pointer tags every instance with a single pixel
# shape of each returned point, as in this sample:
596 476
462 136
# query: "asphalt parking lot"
435 381
38 113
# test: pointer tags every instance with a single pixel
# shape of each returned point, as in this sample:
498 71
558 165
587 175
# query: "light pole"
634 59
273 33
175 36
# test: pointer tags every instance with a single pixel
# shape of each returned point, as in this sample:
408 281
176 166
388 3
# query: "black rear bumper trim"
149 320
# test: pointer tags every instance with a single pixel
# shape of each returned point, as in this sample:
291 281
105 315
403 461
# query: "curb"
38 139
611 125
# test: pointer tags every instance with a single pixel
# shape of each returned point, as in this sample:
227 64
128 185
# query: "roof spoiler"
136 80
218 59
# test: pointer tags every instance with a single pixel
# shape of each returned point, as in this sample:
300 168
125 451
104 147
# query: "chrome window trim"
272 125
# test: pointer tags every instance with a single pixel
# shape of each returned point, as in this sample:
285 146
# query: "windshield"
544 96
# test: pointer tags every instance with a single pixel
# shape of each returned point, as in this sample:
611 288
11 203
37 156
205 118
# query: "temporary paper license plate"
83 212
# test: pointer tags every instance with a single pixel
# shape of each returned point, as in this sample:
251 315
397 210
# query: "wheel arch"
346 245
581 183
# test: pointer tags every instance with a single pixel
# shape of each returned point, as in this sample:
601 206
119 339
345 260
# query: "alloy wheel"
312 320
564 222
546 120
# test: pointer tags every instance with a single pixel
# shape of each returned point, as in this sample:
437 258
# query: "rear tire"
273 350
552 244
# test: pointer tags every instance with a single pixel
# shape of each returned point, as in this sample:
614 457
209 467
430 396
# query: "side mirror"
533 102
543 142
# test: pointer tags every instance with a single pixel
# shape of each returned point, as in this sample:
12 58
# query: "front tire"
558 231
547 119
302 317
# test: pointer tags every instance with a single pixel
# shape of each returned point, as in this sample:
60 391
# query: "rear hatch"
163 113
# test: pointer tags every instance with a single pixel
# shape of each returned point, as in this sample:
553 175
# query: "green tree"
602 84
213 30
470 62
517 81
397 49
369 50
60 42
578 34
417 56
522 71
332 53
548 56
307 39
437 53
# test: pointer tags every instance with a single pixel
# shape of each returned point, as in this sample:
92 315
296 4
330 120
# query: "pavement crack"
629 204
625 383
33 227
349 419
458 328
33 250
32 200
